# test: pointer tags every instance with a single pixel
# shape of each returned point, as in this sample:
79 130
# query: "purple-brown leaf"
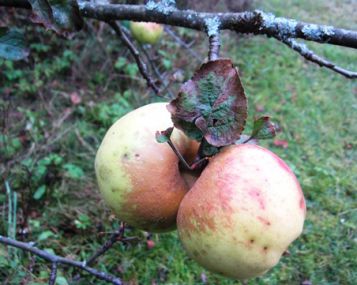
264 128
212 104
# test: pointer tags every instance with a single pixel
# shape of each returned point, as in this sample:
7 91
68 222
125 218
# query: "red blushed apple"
146 32
242 212
138 177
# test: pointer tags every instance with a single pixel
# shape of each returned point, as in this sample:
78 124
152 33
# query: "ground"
56 107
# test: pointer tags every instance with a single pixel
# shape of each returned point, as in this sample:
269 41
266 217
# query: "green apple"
146 32
138 177
242 212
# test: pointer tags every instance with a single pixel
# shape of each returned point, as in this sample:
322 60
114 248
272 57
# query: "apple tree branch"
250 22
55 260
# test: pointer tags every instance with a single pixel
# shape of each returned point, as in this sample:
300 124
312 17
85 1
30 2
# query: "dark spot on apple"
195 253
137 155
256 195
252 240
125 156
114 190
264 221
265 248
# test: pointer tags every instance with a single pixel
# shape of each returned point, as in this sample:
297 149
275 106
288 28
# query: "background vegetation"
56 106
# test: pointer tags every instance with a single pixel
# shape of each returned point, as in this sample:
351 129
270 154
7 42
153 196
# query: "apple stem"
179 155
248 139
196 165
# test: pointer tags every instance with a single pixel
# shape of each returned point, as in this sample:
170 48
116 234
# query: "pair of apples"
236 218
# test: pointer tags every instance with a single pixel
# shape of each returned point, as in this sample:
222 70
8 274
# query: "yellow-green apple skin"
146 32
138 177
242 213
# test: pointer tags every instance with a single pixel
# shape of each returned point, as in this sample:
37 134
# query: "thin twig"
134 51
116 236
53 275
83 142
157 72
177 38
303 50
59 259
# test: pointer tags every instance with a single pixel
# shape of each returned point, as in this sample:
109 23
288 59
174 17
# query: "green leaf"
73 171
131 69
167 63
120 63
263 128
39 192
212 104
62 16
12 44
45 235
60 280
163 136
82 222
50 251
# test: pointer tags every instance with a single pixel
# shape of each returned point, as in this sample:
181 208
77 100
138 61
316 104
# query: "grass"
48 145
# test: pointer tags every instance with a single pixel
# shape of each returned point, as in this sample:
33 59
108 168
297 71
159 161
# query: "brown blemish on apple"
252 240
205 223
265 248
256 195
225 190
196 220
186 223
158 189
104 172
125 156
264 221
225 197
